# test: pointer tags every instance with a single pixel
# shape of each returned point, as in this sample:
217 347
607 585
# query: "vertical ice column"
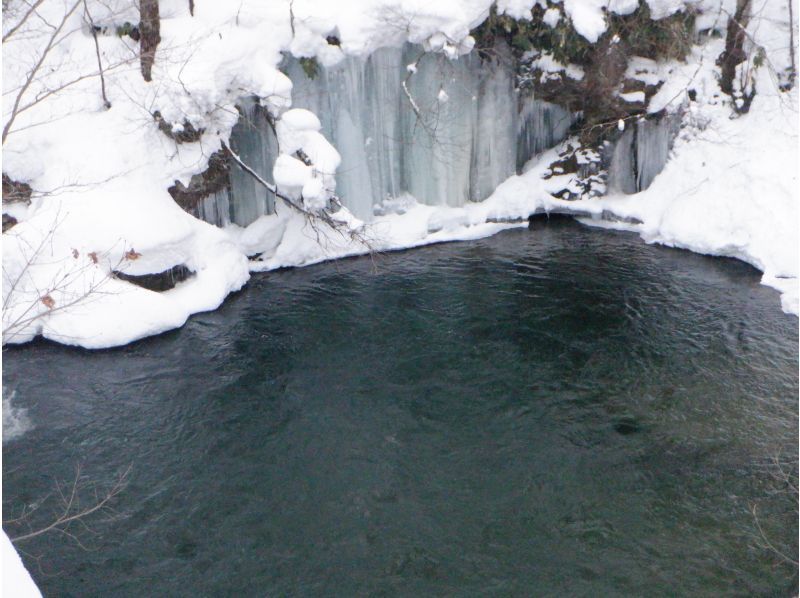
254 141
472 130
640 153
357 103
494 135
344 97
622 163
437 150
214 209
541 126
654 139
471 133
383 74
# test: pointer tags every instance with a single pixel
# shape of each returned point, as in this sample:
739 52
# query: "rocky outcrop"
161 281
13 192
213 179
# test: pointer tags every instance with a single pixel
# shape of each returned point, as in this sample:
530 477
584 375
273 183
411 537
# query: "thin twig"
93 29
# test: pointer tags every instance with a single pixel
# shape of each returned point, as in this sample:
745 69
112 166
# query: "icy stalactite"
412 123
244 200
254 141
621 159
494 139
437 148
541 125
640 153
654 138
359 103
215 208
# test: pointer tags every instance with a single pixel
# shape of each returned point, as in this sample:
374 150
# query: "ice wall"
454 132
245 199
254 141
452 138
470 130
640 153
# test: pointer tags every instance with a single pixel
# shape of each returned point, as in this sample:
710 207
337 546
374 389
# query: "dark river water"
551 412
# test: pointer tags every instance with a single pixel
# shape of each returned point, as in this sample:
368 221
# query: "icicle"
541 126
653 142
214 209
622 163
641 153
494 145
253 140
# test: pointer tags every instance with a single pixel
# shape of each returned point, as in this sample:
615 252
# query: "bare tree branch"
21 22
93 29
70 511
35 69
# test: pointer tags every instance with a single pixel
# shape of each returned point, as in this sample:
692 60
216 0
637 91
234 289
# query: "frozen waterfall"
459 130
641 152
244 200
473 131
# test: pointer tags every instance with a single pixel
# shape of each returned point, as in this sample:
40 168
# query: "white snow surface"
17 582
101 175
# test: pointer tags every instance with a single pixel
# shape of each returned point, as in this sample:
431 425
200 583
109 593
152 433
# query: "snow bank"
17 582
730 189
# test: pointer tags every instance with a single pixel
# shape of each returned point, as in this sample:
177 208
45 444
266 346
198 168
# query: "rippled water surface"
558 411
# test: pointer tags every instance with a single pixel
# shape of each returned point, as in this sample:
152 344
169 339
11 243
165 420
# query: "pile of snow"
550 67
730 189
17 581
298 134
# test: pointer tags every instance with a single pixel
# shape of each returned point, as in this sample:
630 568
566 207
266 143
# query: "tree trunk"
734 53
793 67
149 28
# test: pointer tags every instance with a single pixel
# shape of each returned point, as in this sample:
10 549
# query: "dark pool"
551 412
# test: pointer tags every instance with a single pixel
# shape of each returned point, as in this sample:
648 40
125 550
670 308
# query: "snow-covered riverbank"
101 176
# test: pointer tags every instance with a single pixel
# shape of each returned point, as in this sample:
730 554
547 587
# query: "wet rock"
15 190
161 281
627 426
8 222
213 179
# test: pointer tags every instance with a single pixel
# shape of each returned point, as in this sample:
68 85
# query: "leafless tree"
93 29
792 59
55 37
735 54
149 31
35 87
72 506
